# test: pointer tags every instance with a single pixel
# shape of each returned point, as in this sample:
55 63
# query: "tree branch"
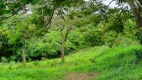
14 12
67 32
110 2
50 20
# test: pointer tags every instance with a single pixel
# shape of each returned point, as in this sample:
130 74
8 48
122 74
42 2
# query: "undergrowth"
120 63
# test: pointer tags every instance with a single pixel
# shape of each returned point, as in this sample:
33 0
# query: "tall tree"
136 6
44 11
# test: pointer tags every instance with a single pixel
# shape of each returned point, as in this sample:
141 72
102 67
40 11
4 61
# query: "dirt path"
80 76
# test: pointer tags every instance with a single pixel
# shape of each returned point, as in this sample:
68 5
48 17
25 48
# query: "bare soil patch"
80 76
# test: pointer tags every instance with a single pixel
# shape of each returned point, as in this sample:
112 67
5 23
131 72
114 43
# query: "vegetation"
95 41
109 63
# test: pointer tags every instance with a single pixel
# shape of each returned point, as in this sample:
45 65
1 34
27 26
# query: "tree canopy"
55 26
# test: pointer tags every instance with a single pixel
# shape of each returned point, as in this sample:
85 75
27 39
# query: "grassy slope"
119 63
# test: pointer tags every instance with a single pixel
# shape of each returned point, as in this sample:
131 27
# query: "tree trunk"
64 39
138 18
23 57
140 2
137 14
62 50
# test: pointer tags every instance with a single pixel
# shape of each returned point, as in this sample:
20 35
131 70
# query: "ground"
97 63
80 76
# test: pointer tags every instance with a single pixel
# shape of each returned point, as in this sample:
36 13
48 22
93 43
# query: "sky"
112 5
107 2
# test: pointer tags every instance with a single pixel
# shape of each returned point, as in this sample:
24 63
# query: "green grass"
120 63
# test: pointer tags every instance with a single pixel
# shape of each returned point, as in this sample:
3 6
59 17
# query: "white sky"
112 5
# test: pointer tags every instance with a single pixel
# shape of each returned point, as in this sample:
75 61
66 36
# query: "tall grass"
120 63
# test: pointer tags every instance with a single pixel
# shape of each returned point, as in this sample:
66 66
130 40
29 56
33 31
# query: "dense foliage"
95 26
94 40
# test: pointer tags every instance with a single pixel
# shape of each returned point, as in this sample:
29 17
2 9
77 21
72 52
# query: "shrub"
3 59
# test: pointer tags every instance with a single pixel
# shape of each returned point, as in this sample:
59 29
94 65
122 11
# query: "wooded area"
36 33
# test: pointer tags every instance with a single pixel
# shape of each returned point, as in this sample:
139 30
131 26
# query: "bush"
75 41
48 45
109 38
3 59
93 37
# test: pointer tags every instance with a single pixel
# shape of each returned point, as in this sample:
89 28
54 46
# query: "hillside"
97 63
70 40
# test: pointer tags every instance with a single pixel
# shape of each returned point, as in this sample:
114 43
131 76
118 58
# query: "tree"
64 28
44 12
136 6
64 39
